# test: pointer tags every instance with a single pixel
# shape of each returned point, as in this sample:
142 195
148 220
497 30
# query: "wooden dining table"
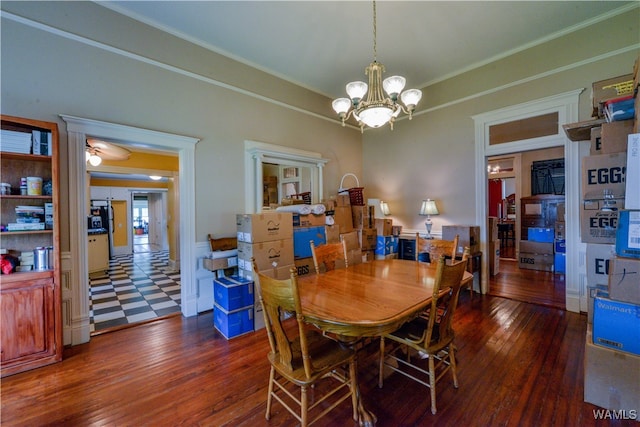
368 300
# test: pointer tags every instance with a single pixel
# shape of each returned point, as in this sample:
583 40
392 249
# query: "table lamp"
428 208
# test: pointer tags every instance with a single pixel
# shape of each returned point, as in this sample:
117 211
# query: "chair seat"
411 333
325 354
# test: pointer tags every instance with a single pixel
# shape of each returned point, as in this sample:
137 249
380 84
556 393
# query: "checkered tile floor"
136 288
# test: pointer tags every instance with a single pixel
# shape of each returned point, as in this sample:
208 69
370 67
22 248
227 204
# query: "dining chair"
326 256
431 337
436 248
302 356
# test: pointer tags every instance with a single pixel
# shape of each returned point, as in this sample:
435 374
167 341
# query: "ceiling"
322 45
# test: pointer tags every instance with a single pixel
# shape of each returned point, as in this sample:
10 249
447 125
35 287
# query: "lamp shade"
428 207
385 208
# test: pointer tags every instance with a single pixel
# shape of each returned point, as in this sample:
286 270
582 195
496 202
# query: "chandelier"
377 110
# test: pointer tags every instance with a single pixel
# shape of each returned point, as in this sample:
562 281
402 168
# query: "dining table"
368 300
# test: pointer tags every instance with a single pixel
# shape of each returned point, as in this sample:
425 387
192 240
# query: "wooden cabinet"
98 251
538 211
30 300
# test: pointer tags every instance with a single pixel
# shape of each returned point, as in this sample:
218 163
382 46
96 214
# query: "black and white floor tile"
136 288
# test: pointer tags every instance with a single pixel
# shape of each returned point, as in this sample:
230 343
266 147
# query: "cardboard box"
603 172
264 227
384 227
613 138
233 292
598 227
268 255
538 234
233 323
615 325
598 263
332 233
386 245
281 273
560 230
592 292
219 263
494 257
560 263
493 228
615 87
305 266
540 248
343 200
611 378
632 192
352 239
309 220
258 315
302 237
533 261
368 239
343 219
561 212
624 281
363 217
596 141
469 235
628 234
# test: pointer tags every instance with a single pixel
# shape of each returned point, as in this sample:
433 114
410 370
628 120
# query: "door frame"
78 129
566 105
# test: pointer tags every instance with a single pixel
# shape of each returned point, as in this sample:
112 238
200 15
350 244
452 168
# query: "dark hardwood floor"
537 287
519 364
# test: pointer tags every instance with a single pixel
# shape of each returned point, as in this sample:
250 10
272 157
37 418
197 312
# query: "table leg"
365 417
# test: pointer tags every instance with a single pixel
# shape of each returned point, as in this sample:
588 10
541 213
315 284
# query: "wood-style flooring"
538 287
519 364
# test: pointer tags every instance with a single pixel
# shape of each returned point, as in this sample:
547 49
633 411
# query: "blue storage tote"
302 236
233 323
233 292
544 235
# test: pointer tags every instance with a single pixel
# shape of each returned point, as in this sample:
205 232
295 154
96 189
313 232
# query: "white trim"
78 129
140 58
566 105
254 155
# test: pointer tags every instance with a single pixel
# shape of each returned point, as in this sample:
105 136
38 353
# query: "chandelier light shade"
427 209
377 109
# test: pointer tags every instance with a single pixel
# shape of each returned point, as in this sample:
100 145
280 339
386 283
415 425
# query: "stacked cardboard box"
612 353
267 237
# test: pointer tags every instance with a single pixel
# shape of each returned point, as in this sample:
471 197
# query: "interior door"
121 228
157 220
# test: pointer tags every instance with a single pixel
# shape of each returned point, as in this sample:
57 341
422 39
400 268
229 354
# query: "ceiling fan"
97 150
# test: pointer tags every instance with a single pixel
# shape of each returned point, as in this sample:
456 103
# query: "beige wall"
45 74
433 154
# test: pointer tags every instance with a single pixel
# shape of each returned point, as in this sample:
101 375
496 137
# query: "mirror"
285 181
273 172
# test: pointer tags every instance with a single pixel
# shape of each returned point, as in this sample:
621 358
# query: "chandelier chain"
375 47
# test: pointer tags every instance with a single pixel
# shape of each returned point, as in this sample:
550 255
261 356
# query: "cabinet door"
100 193
28 330
98 251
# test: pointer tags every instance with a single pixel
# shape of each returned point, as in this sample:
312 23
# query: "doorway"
531 266
75 299
149 213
